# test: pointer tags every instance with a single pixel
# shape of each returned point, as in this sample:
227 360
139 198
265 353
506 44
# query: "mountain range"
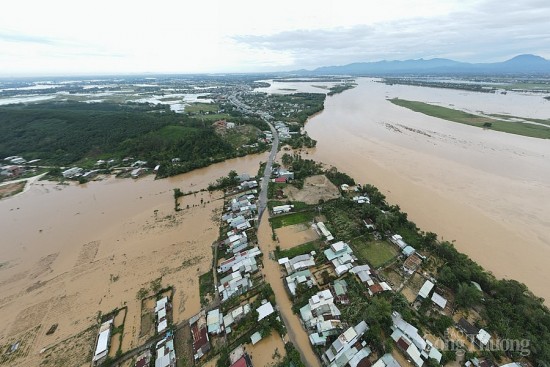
521 64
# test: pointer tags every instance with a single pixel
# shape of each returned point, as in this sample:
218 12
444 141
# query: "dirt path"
296 333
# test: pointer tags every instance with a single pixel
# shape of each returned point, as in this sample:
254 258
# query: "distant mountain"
522 64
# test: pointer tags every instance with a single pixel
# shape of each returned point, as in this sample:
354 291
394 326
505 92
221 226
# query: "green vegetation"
206 286
200 108
339 178
340 88
376 253
304 248
293 218
301 141
224 183
292 357
539 121
518 128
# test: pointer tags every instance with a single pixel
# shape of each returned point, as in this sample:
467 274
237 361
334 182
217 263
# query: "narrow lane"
296 332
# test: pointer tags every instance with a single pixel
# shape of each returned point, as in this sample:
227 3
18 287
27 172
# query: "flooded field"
70 252
483 189
267 351
294 235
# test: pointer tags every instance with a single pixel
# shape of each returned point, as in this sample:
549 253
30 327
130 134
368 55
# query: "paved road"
262 201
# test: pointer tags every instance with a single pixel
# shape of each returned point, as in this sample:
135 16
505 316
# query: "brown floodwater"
273 276
486 191
71 251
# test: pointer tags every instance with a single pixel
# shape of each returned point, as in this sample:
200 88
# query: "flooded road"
483 189
273 276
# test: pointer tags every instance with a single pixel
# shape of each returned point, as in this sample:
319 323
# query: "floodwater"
71 251
273 276
486 191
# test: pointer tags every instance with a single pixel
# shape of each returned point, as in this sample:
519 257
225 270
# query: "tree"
467 295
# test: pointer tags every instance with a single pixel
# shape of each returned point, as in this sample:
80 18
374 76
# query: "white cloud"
62 36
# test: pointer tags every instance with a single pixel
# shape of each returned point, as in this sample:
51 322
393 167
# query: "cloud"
489 31
15 37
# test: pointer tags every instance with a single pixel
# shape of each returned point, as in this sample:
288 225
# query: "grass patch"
539 121
198 108
376 253
290 219
304 248
449 114
206 286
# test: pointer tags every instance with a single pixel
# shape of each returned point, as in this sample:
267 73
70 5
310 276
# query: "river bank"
480 189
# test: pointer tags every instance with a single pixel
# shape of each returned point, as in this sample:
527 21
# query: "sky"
62 37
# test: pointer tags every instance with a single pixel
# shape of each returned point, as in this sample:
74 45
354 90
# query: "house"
340 290
369 223
102 343
237 258
412 263
234 316
199 332
10 171
387 360
378 288
427 287
363 273
286 174
398 240
343 343
234 284
301 277
338 249
361 199
244 361
320 307
138 172
72 172
214 320
166 354
144 359
322 230
282 209
482 338
280 180
439 300
299 262
408 251
265 310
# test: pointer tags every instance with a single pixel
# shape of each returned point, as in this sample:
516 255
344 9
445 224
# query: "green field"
197 108
518 128
376 253
304 248
290 219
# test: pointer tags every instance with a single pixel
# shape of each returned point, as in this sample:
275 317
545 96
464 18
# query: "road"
262 200
296 332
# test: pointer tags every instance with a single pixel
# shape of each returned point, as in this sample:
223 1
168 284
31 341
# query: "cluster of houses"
408 340
282 175
165 352
235 273
15 166
283 130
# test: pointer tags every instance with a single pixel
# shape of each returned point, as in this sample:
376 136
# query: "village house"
340 291
265 310
343 349
282 209
301 277
102 343
234 316
201 342
214 321
238 258
322 230
234 284
409 341
166 354
320 307
160 311
341 256
72 172
387 360
298 263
